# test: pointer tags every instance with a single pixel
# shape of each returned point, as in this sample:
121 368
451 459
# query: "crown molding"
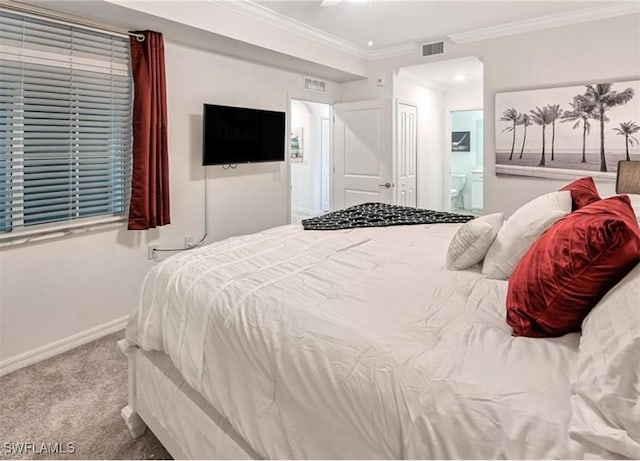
547 22
391 51
279 20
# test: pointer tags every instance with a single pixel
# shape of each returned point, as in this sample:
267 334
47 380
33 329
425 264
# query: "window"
65 124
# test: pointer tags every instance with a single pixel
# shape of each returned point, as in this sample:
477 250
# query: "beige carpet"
75 398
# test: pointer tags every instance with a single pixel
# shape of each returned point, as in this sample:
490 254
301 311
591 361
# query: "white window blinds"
65 123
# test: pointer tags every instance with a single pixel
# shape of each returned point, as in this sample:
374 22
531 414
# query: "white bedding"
357 344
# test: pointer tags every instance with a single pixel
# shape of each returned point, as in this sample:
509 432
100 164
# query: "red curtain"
149 206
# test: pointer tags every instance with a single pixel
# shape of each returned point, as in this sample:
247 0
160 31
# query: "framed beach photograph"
460 141
569 131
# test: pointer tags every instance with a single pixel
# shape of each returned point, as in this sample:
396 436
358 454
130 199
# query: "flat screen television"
240 135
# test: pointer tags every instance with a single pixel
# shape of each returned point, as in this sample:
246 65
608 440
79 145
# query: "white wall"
58 288
582 53
465 96
577 54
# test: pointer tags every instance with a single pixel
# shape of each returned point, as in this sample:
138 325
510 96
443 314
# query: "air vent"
429 49
315 85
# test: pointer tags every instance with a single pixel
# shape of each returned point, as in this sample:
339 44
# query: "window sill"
52 231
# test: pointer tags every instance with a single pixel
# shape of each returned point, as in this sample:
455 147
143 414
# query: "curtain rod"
64 19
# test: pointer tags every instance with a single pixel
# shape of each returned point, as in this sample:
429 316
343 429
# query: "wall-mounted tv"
240 135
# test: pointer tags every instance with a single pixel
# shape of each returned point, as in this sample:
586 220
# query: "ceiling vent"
315 85
429 49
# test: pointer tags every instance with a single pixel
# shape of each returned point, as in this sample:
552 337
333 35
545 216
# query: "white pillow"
522 229
473 239
605 397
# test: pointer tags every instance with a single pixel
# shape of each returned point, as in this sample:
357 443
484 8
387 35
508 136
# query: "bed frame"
187 425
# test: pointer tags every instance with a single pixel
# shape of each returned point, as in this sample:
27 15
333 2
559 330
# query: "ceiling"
449 73
389 23
346 27
117 14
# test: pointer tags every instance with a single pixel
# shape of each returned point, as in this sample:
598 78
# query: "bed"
353 343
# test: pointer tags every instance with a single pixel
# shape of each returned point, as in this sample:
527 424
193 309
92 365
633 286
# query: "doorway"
439 89
310 156
466 160
363 153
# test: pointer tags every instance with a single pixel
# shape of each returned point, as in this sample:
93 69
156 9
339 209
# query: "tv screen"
239 135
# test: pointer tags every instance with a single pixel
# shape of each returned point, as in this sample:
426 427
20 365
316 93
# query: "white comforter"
357 344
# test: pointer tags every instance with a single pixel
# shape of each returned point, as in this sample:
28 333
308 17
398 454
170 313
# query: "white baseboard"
60 346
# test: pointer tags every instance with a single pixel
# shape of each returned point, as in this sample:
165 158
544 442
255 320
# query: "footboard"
179 417
132 419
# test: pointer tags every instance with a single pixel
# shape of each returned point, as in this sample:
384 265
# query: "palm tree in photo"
525 121
628 129
581 111
554 113
511 116
604 98
541 117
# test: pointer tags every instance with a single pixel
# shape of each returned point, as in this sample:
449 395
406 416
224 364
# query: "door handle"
386 185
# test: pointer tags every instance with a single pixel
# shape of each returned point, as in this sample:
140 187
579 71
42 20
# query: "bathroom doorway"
310 156
466 161
441 90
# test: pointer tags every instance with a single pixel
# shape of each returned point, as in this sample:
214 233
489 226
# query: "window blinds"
65 123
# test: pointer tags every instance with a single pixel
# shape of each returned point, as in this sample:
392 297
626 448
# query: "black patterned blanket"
380 215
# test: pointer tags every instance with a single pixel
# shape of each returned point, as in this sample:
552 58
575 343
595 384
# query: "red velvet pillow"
571 266
583 192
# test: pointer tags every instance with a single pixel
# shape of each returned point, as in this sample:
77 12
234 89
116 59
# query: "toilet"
458 181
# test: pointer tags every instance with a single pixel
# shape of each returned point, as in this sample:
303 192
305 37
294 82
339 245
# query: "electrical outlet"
151 252
188 241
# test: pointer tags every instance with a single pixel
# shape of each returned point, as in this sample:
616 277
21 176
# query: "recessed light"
370 43
459 77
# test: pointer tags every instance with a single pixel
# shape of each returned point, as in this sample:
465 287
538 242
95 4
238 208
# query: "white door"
406 149
363 158
325 148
